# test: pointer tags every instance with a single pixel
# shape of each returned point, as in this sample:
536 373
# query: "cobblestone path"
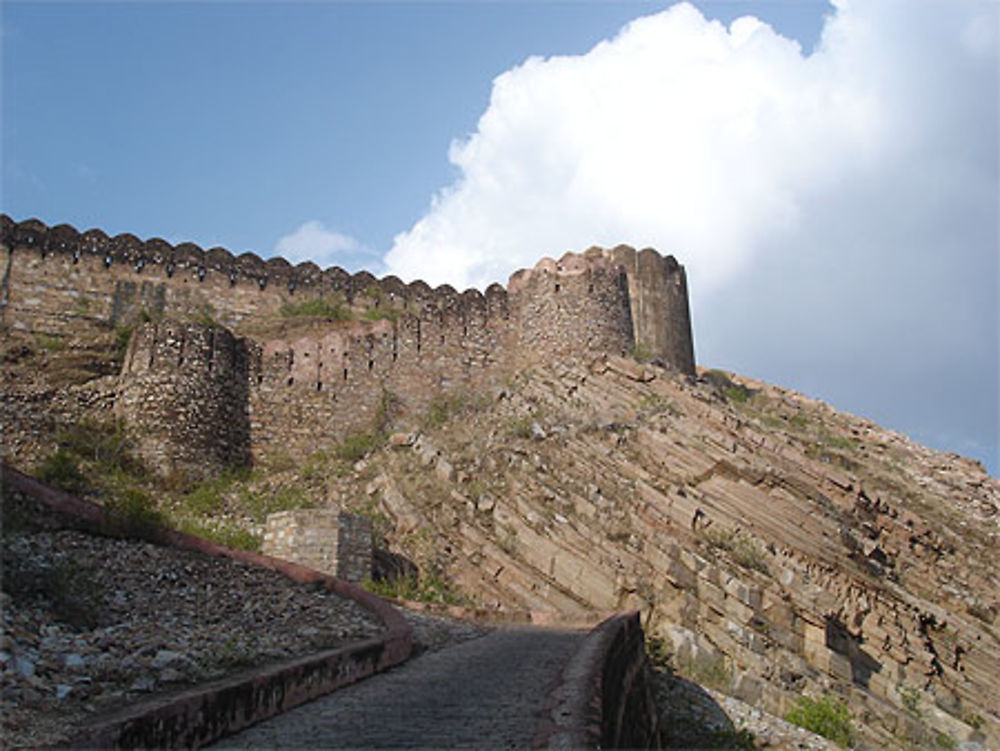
485 693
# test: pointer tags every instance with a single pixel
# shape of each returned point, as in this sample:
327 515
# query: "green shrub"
318 307
380 314
204 315
130 513
520 427
358 445
827 716
62 470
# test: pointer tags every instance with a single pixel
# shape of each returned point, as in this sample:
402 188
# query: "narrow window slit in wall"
590 288
345 374
319 385
371 364
211 349
558 286
290 381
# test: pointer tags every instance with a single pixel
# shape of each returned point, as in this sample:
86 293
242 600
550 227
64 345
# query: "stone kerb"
212 711
605 697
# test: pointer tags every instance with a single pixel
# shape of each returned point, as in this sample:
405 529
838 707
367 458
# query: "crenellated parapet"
186 376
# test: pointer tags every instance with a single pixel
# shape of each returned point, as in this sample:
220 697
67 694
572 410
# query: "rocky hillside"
776 547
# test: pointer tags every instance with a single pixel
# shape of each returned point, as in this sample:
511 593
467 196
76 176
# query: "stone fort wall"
200 389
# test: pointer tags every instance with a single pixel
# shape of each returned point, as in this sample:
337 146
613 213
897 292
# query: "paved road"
485 693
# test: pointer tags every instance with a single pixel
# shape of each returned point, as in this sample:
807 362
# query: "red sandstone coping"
214 710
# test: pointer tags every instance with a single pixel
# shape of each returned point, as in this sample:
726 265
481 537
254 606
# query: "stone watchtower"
183 390
658 301
605 300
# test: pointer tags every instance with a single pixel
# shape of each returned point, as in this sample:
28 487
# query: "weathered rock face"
777 546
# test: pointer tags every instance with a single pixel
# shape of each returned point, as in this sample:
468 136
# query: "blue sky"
833 194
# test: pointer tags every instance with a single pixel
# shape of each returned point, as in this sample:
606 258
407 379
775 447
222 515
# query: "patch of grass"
660 653
943 740
228 534
519 427
357 446
641 352
736 394
843 443
380 314
204 315
973 720
656 403
713 672
733 392
826 716
911 697
123 334
210 496
743 549
50 343
130 512
451 403
331 308
432 588
798 421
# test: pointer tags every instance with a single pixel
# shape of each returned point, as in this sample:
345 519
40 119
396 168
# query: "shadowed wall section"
184 390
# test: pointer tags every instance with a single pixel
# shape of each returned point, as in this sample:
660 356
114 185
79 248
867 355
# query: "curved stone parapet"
605 698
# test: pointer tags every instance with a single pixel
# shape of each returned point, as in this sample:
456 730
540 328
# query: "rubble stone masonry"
202 393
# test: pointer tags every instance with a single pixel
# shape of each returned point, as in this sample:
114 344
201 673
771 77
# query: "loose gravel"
92 623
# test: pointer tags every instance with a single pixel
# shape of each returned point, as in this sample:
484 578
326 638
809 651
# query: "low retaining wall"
199 716
605 698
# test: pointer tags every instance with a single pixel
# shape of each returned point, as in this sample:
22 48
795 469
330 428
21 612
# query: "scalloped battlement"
318 374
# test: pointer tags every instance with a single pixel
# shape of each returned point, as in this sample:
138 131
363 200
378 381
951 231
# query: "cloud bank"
836 212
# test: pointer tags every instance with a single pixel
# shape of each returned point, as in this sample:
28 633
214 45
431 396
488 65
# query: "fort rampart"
223 366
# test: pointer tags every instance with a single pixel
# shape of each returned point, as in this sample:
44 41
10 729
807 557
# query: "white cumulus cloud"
312 241
836 211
